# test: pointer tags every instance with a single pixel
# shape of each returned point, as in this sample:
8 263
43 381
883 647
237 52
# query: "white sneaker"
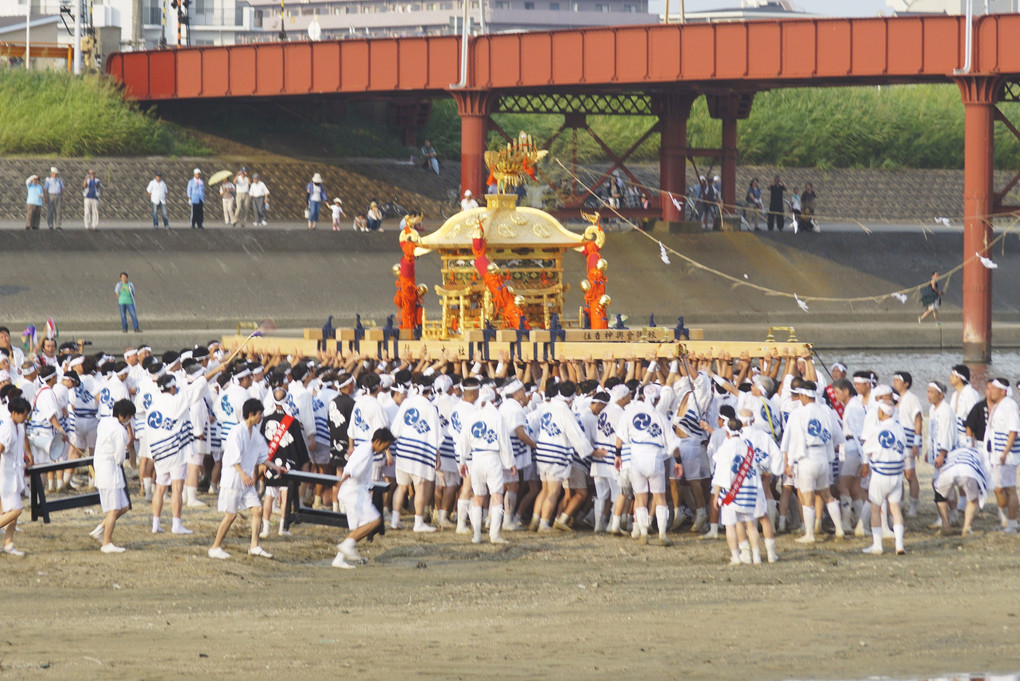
11 551
1009 530
498 540
806 539
265 531
181 530
218 552
98 532
110 548
260 552
425 528
351 553
745 557
341 562
873 550
396 525
195 503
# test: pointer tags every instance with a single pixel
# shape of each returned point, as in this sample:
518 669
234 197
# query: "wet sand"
578 607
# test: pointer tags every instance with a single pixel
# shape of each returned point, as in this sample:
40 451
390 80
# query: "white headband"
618 392
936 387
838 365
145 348
512 387
77 361
804 391
596 400
124 371
242 373
960 376
998 384
346 383
130 352
172 383
881 391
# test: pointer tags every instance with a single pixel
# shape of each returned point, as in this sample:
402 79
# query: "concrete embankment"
201 283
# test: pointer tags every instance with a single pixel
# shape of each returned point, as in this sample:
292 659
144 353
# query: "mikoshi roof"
506 226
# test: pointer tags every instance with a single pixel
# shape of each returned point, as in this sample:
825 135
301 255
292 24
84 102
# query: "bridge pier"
672 109
473 107
729 107
980 94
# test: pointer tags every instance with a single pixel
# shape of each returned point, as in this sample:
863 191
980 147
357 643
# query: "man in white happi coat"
416 453
484 441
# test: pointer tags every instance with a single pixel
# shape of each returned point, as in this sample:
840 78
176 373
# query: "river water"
925 366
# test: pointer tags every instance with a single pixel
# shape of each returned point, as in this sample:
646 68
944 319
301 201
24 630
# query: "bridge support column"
979 96
474 107
672 109
729 107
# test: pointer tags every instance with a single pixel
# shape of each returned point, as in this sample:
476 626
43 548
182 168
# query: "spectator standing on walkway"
776 191
34 202
259 194
316 197
125 291
91 188
227 189
196 196
242 204
807 207
157 196
338 212
429 157
754 204
54 198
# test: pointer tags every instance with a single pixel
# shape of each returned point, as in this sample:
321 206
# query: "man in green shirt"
125 291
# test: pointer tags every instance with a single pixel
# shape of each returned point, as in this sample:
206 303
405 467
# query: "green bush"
53 112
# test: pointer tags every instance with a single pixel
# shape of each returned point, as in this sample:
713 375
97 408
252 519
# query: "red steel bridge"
642 70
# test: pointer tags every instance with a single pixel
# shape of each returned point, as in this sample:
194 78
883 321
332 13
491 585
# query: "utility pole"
28 34
77 37
283 31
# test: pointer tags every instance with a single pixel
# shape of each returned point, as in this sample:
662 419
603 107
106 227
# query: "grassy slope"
51 112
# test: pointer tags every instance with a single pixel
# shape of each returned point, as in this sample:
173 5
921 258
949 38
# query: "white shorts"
850 467
885 488
112 498
357 504
405 478
909 462
730 515
163 479
510 478
576 479
812 475
447 478
945 484
196 459
233 499
548 472
11 502
694 459
320 457
486 477
529 472
622 478
143 447
655 484
84 437
272 491
1003 475
606 488
48 449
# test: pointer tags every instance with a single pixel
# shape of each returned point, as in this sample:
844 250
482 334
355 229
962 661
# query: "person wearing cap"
468 202
242 204
157 191
53 196
196 197
259 194
13 458
809 444
91 189
33 202
909 408
112 442
316 197
374 217
884 457
1002 442
338 212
